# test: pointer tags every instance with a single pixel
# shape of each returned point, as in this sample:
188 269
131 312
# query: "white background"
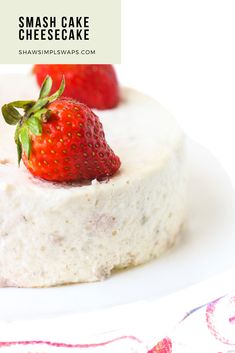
182 52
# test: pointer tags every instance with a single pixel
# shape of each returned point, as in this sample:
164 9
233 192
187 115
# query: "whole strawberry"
93 85
60 139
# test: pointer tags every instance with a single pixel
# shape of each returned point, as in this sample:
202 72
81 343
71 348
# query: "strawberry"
60 139
93 85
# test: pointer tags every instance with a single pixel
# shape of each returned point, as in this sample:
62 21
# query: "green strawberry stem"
34 114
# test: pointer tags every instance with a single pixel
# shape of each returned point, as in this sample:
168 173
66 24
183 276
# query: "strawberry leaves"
23 104
25 140
43 98
18 144
34 114
10 114
19 152
58 93
46 87
34 125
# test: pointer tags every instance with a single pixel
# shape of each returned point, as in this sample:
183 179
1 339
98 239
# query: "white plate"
206 248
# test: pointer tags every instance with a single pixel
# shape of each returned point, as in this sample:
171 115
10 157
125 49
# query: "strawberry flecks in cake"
94 85
101 222
4 161
6 283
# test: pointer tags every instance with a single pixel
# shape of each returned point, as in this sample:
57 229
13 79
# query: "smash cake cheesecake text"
54 28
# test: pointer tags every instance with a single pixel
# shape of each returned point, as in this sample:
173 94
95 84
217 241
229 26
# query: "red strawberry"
60 139
93 85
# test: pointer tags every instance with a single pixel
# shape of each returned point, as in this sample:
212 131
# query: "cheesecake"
54 233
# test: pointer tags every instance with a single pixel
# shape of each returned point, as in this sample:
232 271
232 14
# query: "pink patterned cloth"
208 328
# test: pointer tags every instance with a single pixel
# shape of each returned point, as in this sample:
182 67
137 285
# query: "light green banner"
50 31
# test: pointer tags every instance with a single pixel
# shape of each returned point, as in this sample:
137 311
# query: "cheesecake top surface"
140 131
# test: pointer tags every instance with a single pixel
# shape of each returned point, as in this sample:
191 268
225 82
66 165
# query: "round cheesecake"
53 234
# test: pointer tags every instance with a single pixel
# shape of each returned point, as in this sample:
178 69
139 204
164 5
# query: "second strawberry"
94 85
